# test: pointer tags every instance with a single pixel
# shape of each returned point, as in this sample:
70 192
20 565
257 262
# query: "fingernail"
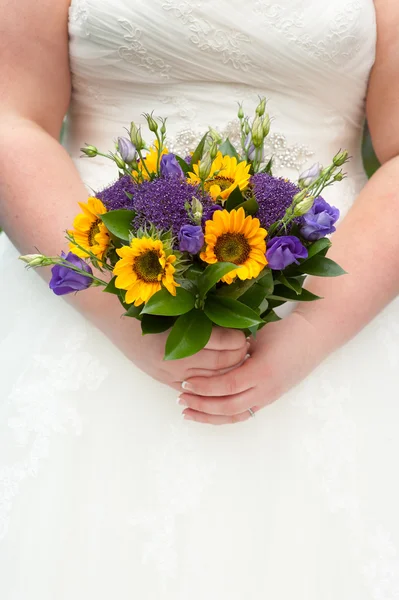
249 338
187 417
247 356
187 386
181 402
248 345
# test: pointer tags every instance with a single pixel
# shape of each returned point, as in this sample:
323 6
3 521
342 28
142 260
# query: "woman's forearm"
39 191
366 245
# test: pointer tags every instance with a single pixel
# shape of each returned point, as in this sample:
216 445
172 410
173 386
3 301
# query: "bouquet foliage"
187 243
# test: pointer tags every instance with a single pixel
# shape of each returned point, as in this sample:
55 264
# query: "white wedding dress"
105 492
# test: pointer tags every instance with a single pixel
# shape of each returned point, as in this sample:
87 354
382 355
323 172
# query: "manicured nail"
181 402
247 356
187 417
187 386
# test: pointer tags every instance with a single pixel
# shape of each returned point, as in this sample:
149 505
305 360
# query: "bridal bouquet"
189 242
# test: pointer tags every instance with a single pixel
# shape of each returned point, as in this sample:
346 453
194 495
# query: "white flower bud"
310 175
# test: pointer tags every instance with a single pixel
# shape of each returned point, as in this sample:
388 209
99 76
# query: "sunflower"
89 231
225 175
143 269
233 237
151 162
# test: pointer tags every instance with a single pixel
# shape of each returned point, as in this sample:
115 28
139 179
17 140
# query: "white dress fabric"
105 492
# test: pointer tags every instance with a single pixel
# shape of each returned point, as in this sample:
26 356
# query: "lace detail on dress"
135 52
41 409
340 43
224 43
285 156
79 13
185 109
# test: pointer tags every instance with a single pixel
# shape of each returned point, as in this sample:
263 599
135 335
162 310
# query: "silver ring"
251 412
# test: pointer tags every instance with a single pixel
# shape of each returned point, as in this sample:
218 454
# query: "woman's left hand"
283 354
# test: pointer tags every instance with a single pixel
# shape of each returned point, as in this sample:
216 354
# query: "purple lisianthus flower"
114 196
283 251
66 281
319 221
126 149
170 167
273 195
162 202
191 239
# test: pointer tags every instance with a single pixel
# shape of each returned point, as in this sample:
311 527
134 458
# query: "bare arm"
40 187
366 243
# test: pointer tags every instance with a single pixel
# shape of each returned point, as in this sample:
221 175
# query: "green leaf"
250 206
119 222
237 289
190 333
291 283
235 199
133 311
254 296
227 149
321 267
318 247
193 272
111 289
271 317
199 150
153 324
213 274
265 279
164 304
184 166
283 293
227 312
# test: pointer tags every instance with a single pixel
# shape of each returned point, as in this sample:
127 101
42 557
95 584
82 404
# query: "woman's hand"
283 354
225 350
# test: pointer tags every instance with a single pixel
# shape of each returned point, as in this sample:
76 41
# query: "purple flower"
283 251
126 150
170 167
191 239
310 175
274 195
65 281
161 202
319 221
208 214
114 196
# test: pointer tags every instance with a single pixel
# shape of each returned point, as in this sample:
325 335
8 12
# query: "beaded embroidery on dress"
110 495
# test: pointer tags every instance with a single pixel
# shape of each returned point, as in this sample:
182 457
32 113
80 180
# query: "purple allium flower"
319 221
126 150
191 239
65 280
283 251
162 203
274 196
187 159
114 196
170 167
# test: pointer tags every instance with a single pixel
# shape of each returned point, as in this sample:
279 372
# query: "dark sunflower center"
232 247
223 182
94 229
147 266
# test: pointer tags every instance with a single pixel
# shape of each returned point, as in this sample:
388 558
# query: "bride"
106 491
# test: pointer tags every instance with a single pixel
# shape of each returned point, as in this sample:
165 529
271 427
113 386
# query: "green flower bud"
304 206
163 127
152 124
340 158
90 151
299 197
213 150
240 113
205 166
260 109
339 177
135 136
247 127
266 126
118 161
257 132
37 260
215 136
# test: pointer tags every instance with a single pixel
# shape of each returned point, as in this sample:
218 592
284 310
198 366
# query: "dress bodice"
193 60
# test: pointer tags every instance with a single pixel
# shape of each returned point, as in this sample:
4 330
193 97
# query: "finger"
226 339
234 382
192 415
213 360
216 405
